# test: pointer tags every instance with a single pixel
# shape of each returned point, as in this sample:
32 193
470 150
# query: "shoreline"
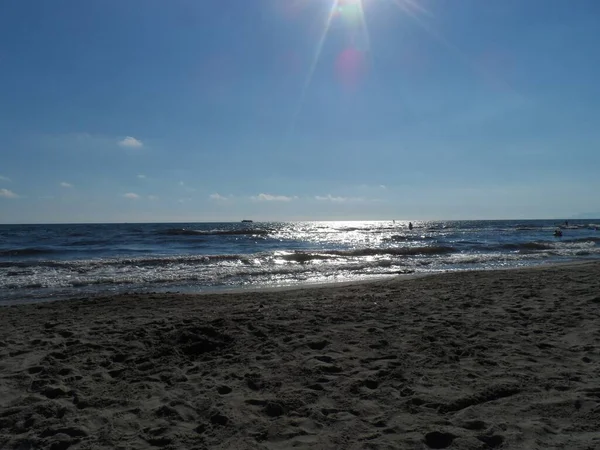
395 277
182 291
464 360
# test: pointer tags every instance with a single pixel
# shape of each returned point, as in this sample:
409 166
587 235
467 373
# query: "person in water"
410 225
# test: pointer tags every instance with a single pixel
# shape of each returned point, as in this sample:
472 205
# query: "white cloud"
141 176
66 185
131 142
272 198
217 197
7 193
131 195
2 178
331 198
152 197
371 187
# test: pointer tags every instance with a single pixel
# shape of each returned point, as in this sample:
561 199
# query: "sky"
222 110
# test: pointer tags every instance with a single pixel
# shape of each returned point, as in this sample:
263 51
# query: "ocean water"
44 262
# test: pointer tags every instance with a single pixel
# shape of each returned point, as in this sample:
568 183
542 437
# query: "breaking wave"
188 232
526 246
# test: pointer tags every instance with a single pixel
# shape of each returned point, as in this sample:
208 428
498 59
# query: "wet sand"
476 360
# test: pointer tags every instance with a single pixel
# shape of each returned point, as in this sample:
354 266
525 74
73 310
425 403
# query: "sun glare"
348 65
352 63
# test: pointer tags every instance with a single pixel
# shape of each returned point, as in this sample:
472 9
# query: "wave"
84 242
406 251
79 234
303 257
188 232
402 238
86 264
300 256
26 251
572 227
583 239
525 246
245 259
529 226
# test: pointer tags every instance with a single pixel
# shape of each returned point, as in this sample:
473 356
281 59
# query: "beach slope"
474 360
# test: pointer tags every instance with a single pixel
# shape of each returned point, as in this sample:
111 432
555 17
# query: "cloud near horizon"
331 198
272 198
65 184
131 142
217 197
6 193
340 199
131 195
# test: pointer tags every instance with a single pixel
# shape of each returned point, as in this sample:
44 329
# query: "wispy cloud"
66 185
272 198
371 187
185 187
6 193
217 197
131 142
131 195
152 197
3 178
331 198
141 176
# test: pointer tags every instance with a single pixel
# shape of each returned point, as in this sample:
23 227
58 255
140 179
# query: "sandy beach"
500 359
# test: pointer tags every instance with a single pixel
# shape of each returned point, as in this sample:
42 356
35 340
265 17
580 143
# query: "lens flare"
313 64
350 65
352 61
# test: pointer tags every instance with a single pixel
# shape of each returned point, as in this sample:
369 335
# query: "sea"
53 262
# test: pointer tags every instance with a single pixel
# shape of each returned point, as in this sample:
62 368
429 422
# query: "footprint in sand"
438 439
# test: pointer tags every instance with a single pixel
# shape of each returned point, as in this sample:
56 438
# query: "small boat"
246 221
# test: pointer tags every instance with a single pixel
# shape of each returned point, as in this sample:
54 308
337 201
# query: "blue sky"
206 110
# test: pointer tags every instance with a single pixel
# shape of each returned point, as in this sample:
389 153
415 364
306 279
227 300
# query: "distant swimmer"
558 232
410 225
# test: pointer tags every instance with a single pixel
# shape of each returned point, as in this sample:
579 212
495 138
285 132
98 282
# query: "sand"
474 360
